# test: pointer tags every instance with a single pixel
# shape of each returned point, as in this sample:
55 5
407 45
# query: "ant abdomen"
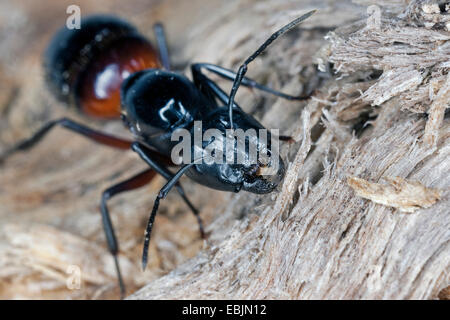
86 67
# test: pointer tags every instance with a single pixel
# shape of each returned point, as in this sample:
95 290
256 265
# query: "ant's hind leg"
161 39
73 126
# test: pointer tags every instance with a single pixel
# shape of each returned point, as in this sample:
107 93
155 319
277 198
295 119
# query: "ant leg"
193 209
208 87
243 68
162 45
211 89
146 155
132 183
246 82
161 195
92 134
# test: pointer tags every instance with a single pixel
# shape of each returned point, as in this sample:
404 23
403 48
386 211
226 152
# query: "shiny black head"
156 101
263 178
244 158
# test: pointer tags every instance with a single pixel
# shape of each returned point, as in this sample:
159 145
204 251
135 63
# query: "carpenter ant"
107 69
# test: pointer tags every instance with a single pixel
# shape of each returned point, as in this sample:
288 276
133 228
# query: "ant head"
85 67
263 178
156 101
244 158
263 174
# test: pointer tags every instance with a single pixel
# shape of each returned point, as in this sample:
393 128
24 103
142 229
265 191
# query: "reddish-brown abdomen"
86 67
99 85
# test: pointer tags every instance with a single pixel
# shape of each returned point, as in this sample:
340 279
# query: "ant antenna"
243 68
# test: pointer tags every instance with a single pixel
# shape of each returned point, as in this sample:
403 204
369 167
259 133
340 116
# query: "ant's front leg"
135 182
208 87
240 75
147 155
212 90
246 82
161 195
94 135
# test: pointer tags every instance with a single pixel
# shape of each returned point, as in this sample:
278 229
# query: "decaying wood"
378 111
407 196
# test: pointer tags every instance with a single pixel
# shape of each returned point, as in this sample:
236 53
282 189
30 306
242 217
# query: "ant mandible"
107 70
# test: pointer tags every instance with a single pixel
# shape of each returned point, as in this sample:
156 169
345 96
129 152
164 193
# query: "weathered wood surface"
314 238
